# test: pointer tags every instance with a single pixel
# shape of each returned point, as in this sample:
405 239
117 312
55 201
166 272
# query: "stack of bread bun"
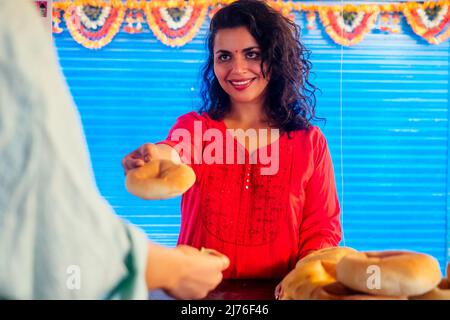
342 273
441 292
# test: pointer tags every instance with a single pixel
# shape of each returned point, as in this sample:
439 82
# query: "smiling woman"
237 66
255 78
250 41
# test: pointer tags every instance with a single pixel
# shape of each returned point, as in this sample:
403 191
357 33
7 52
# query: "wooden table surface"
259 289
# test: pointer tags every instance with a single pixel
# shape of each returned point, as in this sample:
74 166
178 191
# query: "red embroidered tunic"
263 223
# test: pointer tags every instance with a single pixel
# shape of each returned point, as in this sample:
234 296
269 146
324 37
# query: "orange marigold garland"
285 8
134 19
93 23
389 22
94 26
395 26
384 22
213 10
431 22
176 26
311 20
347 26
56 20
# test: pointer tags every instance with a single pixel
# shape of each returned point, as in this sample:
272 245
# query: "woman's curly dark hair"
290 100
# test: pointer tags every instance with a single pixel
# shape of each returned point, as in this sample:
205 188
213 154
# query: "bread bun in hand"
400 273
159 179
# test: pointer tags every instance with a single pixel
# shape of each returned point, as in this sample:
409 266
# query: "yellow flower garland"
339 38
285 7
112 31
178 41
421 30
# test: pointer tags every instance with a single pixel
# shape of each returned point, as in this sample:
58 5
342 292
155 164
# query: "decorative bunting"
176 26
395 26
429 21
134 19
389 22
311 20
284 8
94 23
384 22
56 20
214 9
93 26
347 27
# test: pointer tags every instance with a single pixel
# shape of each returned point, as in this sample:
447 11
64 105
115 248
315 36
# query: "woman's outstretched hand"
140 156
148 152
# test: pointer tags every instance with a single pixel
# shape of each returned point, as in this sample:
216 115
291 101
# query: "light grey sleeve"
59 239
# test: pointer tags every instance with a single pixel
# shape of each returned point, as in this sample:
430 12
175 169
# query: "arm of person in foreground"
59 239
184 272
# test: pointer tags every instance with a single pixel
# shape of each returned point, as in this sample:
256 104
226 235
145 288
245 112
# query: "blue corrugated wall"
387 109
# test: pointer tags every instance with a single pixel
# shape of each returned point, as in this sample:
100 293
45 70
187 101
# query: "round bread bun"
400 273
159 179
448 272
337 291
310 274
442 292
304 280
445 284
332 254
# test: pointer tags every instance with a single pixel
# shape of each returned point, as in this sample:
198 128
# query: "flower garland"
213 10
93 23
87 20
390 22
177 20
311 20
440 16
347 27
435 30
283 9
83 22
175 26
134 20
56 20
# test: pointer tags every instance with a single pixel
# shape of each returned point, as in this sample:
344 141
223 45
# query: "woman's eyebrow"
243 50
250 48
222 51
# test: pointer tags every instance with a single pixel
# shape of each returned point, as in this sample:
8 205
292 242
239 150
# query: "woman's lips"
241 84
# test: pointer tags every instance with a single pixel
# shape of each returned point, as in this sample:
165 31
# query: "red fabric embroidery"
263 223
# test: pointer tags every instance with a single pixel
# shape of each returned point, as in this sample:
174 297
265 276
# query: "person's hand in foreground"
184 272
